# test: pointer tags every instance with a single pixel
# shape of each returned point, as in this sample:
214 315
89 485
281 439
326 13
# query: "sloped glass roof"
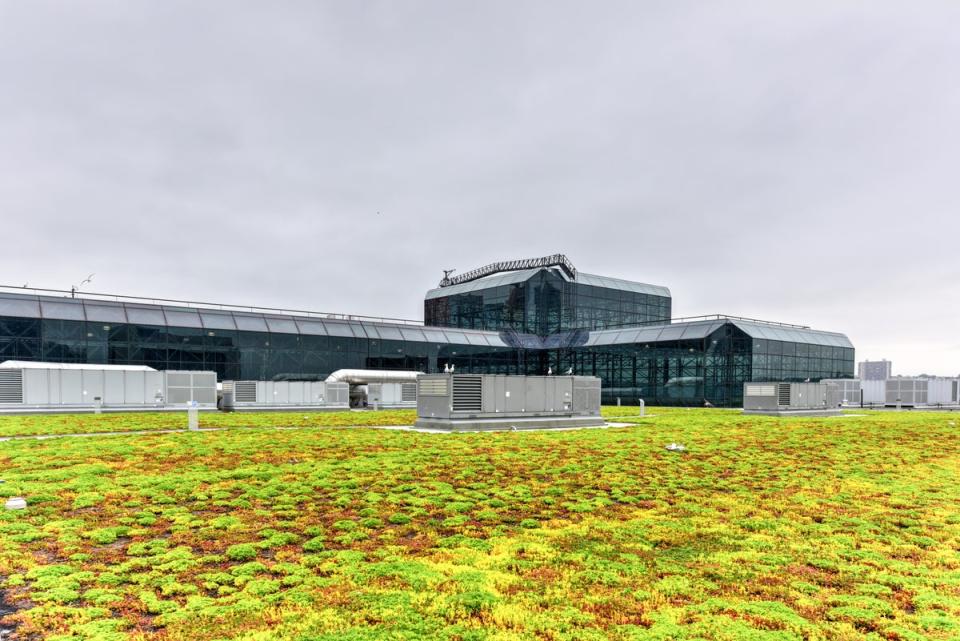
105 312
146 315
496 280
182 317
702 329
654 333
213 320
250 322
278 324
14 305
623 285
60 310
793 334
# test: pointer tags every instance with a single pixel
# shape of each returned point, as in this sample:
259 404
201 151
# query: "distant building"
875 370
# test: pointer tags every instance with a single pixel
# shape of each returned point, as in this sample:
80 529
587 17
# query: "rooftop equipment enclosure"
86 388
848 390
392 395
494 401
285 395
790 399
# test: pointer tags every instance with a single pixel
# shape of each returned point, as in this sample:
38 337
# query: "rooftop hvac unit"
494 401
906 391
913 392
848 391
285 395
786 399
391 395
843 391
57 387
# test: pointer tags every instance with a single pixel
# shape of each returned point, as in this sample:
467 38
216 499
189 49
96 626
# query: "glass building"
533 324
546 301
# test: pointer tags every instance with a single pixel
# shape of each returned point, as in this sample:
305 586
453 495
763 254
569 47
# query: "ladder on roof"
556 260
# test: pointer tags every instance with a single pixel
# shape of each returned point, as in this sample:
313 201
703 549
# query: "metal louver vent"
245 392
783 394
433 386
467 393
11 386
408 392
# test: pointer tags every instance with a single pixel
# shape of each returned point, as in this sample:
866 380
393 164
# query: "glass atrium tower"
545 301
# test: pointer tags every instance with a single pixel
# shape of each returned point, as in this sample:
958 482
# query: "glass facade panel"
412 334
104 312
62 310
146 315
20 307
250 322
311 327
392 333
338 329
215 320
281 325
182 318
358 331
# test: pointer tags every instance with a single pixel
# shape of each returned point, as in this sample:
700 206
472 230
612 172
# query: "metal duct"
365 376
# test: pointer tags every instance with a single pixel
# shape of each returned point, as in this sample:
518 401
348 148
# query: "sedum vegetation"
46 425
765 529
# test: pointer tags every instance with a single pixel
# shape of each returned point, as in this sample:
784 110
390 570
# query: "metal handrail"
123 298
556 260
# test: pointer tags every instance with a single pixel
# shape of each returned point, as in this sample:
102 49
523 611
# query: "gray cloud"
794 162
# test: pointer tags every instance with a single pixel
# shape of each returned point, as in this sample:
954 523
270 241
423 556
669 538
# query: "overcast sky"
787 161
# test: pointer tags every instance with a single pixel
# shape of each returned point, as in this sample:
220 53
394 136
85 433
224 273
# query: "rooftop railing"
556 260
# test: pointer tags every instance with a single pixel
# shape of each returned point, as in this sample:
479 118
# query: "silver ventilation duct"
366 376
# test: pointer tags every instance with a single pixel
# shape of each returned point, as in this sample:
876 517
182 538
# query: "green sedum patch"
765 529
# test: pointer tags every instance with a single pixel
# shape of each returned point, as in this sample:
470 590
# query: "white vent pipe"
365 376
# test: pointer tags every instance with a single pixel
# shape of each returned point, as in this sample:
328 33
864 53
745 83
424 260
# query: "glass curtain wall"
796 362
545 304
676 372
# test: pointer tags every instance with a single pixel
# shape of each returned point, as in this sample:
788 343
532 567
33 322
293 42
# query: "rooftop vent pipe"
365 376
